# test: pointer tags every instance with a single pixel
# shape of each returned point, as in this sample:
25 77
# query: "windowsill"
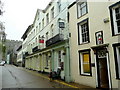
116 34
82 15
83 74
46 68
84 43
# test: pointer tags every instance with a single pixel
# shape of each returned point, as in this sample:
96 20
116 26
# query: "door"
102 68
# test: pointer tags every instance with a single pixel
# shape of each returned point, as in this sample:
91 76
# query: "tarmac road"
13 77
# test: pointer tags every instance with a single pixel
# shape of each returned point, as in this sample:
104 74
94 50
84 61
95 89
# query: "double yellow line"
63 83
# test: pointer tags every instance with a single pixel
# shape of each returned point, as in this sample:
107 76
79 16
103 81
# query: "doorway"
102 69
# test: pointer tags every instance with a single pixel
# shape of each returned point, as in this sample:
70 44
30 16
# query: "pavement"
59 83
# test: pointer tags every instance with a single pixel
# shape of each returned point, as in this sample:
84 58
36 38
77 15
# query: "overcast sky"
19 14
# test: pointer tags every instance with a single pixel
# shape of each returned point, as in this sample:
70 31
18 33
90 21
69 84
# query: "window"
47 58
39 26
36 41
115 18
85 62
36 28
52 13
59 58
82 8
117 59
42 23
59 5
83 32
47 18
47 36
52 31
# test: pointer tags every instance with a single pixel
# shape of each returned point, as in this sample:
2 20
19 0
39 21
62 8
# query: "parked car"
2 63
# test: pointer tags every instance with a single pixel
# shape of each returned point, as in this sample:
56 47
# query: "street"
15 77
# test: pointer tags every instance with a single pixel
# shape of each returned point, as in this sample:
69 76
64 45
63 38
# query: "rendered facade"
46 41
81 38
94 43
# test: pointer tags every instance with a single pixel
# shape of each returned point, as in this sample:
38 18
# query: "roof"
25 34
19 48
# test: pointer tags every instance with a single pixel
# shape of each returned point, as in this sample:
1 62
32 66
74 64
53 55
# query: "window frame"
116 48
52 13
43 23
79 32
113 18
81 71
79 13
59 5
47 18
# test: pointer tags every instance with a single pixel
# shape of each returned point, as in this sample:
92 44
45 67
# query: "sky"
19 14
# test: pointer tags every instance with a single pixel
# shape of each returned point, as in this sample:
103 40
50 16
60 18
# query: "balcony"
35 49
54 40
26 54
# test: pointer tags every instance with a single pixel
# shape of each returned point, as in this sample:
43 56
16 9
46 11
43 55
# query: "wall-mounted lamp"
106 20
64 53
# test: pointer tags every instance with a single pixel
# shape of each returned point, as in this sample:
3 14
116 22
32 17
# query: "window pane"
83 10
83 5
118 25
86 64
117 10
86 68
85 58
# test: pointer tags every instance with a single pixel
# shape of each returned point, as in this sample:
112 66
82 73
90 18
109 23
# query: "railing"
35 49
54 40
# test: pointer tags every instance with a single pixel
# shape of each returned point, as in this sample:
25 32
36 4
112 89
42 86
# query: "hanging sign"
61 25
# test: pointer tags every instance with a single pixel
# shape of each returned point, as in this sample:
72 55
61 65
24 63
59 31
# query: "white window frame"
118 59
59 5
80 37
81 62
52 13
47 18
43 23
79 8
114 20
52 30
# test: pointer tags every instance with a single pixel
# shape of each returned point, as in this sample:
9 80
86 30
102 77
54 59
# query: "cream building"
95 43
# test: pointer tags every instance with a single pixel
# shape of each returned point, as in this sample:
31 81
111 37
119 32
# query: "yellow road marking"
37 74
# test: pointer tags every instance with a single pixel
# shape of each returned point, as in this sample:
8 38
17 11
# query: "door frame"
108 69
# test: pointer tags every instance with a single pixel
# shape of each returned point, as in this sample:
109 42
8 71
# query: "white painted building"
47 41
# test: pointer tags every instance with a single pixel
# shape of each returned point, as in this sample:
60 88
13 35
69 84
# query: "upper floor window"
82 8
83 32
42 23
36 28
52 13
115 18
39 26
52 31
47 36
47 18
59 5
36 40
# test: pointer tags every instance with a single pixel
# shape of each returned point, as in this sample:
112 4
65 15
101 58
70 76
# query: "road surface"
14 77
